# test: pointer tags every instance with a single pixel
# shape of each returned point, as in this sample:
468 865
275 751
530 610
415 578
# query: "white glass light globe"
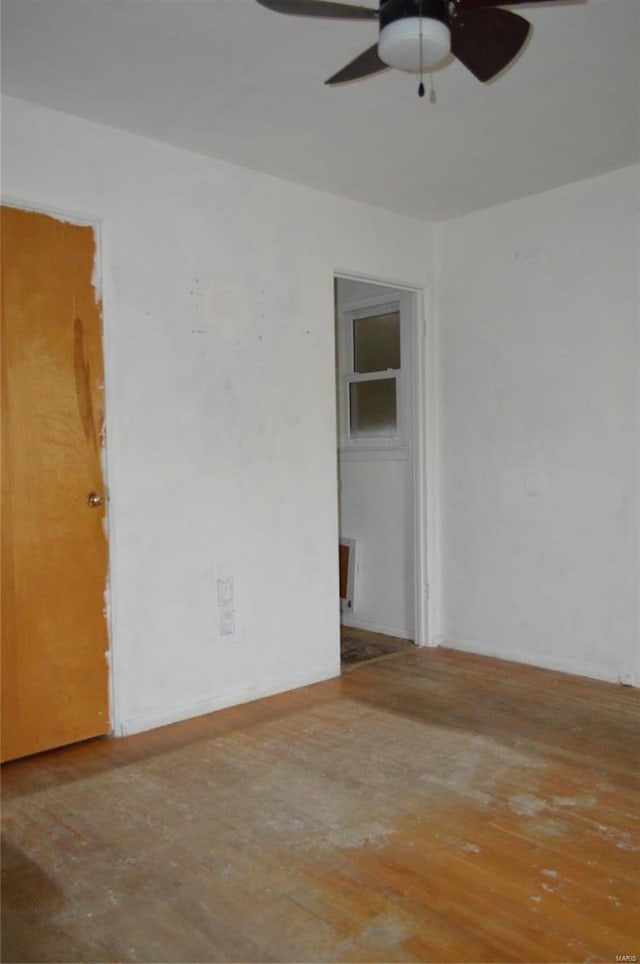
399 43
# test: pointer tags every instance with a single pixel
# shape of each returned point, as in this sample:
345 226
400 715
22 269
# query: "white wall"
538 327
376 508
376 511
221 445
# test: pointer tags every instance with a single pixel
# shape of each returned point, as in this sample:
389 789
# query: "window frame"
348 313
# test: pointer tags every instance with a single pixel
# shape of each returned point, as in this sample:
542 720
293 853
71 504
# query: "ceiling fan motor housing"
414 34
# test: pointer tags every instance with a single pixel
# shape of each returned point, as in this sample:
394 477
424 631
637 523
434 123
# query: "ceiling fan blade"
480 4
320 8
365 65
486 41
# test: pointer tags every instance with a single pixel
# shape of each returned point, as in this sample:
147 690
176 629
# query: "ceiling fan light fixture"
400 40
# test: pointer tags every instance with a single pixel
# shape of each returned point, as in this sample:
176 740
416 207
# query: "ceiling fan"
416 35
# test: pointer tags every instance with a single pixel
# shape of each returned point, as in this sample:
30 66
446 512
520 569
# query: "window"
372 408
376 343
372 377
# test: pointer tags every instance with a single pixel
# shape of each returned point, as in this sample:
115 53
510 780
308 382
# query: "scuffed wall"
220 393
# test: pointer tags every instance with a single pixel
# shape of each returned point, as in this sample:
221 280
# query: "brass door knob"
94 499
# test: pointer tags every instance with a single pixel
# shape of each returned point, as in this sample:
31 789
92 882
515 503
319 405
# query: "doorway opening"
379 379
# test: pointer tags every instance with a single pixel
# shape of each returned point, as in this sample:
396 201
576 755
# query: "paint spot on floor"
466 845
527 804
621 839
386 930
574 801
548 828
370 834
469 848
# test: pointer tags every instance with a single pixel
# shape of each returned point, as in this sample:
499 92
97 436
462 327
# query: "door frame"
425 445
96 223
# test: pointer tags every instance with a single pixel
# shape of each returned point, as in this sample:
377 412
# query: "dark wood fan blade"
480 4
365 65
486 41
321 9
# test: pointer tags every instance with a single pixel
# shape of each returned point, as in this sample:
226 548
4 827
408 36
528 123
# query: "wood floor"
431 806
362 645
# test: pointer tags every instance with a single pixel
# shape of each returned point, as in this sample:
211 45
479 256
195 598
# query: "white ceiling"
232 80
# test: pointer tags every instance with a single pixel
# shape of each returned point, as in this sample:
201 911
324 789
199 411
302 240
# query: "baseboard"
401 633
177 714
559 664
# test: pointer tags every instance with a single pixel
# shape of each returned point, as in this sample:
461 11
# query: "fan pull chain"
421 87
432 91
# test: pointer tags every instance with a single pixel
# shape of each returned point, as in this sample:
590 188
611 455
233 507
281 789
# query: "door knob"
94 499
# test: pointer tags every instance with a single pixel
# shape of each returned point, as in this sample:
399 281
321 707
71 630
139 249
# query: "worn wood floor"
431 806
361 645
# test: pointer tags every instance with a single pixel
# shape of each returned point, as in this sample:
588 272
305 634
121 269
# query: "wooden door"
54 548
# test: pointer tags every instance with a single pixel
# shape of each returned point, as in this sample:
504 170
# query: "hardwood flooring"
361 645
432 806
